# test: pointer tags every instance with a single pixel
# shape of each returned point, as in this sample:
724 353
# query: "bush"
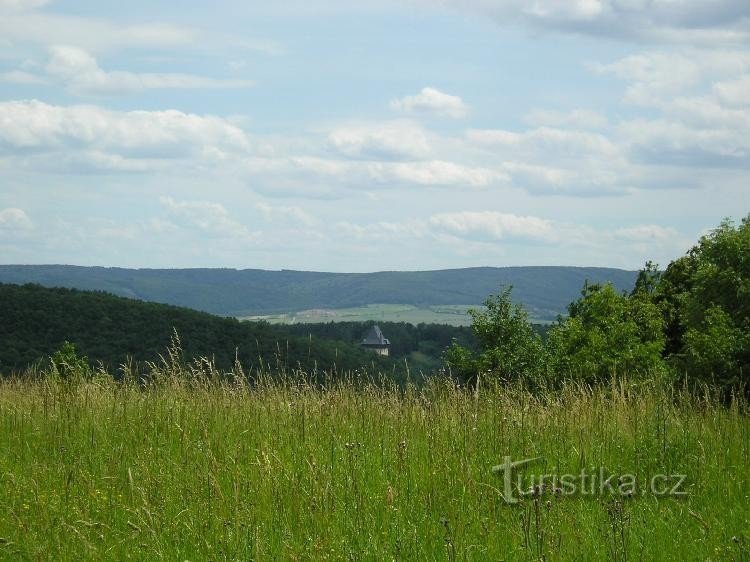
66 364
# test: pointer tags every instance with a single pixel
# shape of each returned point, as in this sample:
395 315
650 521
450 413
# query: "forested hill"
36 321
545 291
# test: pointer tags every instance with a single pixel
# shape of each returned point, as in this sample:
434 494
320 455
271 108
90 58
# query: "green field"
453 314
196 467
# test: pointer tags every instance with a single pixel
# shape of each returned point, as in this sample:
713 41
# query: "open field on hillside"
193 468
452 314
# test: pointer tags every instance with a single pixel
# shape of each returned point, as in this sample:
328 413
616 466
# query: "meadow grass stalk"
197 465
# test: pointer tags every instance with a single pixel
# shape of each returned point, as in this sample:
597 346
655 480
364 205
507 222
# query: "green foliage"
66 364
648 280
705 300
674 287
713 350
36 322
607 333
509 347
462 362
421 345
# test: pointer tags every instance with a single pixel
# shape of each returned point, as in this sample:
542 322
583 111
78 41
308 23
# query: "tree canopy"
691 319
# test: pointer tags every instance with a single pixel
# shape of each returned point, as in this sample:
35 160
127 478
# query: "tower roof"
374 336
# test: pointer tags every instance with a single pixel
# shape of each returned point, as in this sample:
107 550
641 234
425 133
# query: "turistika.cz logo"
593 482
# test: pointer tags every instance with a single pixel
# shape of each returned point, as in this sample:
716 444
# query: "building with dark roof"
374 340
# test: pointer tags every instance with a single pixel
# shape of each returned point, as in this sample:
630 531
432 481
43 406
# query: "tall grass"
196 466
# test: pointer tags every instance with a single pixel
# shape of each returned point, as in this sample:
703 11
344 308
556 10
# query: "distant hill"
35 321
545 291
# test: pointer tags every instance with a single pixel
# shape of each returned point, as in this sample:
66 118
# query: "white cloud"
576 119
21 77
208 217
646 233
702 119
292 214
557 161
734 92
589 181
14 220
491 231
676 21
655 77
433 102
37 126
393 140
549 140
309 172
45 28
22 4
93 162
382 231
671 142
437 173
492 225
81 74
489 234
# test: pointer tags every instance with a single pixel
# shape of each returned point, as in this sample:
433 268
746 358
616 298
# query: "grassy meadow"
193 466
451 314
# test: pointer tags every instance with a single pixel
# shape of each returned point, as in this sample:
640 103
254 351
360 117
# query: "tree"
705 297
670 294
713 351
606 333
509 347
648 280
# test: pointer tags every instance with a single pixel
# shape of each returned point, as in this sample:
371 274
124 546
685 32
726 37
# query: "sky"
364 136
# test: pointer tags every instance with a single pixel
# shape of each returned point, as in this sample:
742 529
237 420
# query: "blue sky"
323 135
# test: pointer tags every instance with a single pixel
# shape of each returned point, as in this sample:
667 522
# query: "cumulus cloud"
492 225
14 220
431 101
547 139
646 233
45 28
208 217
734 92
383 231
437 173
655 77
718 21
21 77
576 119
80 73
292 214
491 230
671 142
702 119
394 140
309 172
548 160
41 127
22 4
